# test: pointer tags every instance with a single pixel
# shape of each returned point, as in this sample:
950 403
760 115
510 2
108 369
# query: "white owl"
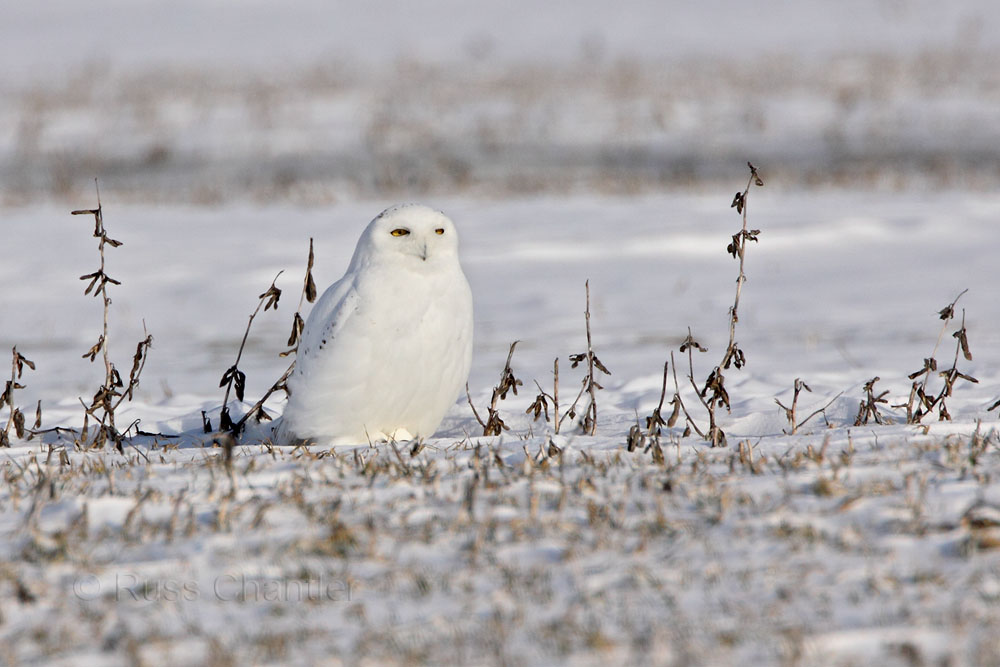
387 348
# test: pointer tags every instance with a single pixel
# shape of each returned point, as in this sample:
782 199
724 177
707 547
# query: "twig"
655 420
308 294
16 417
494 425
678 404
797 386
138 363
555 394
790 412
234 378
298 325
589 383
738 249
868 408
713 393
821 410
258 407
925 403
571 412
472 405
689 345
113 388
540 405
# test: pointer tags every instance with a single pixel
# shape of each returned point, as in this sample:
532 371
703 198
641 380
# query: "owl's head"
409 232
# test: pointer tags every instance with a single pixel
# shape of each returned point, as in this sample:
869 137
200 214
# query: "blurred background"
312 102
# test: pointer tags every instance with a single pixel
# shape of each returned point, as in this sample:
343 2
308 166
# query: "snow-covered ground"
570 142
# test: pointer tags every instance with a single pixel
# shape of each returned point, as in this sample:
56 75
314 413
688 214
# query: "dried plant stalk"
234 379
15 417
713 393
113 391
590 384
921 403
494 424
298 325
868 408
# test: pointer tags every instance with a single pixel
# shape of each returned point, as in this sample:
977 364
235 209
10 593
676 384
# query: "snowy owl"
387 348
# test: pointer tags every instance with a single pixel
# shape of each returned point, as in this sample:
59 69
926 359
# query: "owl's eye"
439 231
400 232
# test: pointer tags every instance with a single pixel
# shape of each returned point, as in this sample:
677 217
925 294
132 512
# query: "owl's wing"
333 310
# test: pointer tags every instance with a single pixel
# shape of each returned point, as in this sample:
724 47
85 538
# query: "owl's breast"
400 301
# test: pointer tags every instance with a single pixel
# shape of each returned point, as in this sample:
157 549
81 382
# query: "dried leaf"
99 398
94 351
734 356
635 438
737 202
310 283
654 421
18 417
310 288
963 341
735 247
240 384
133 375
93 278
691 342
38 416
675 413
271 297
298 325
102 437
600 366
225 421
21 362
539 407
227 376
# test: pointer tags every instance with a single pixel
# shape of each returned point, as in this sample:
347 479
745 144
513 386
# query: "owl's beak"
423 252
